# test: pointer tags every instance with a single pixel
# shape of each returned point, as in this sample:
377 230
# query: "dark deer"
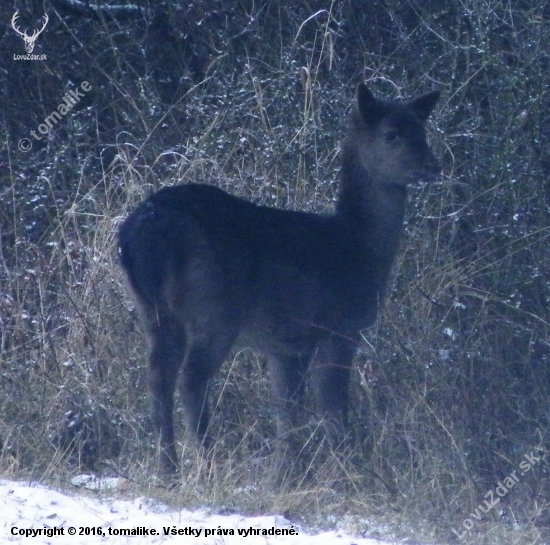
209 271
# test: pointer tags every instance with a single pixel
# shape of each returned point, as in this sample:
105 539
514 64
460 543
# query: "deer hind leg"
204 357
168 345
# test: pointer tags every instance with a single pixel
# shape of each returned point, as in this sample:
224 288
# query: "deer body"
210 271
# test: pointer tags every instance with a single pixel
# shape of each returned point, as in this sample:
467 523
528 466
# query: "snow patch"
29 513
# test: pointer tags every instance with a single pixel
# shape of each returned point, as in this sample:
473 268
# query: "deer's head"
29 40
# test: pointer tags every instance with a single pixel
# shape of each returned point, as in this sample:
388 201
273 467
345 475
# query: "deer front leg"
331 375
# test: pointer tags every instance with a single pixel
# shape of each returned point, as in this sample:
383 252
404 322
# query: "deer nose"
434 166
431 164
428 168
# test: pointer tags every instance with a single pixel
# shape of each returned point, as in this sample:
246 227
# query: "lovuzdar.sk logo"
28 39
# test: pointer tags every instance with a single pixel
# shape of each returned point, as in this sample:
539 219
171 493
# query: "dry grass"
451 389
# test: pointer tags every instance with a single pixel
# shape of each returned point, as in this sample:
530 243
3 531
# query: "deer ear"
371 110
423 106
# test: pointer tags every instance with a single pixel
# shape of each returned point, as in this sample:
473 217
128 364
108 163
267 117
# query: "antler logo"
29 40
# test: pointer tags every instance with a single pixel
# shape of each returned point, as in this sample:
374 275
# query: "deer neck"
374 211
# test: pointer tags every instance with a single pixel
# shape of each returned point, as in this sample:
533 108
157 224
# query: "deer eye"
390 136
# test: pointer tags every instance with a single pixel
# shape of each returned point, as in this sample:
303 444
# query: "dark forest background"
452 387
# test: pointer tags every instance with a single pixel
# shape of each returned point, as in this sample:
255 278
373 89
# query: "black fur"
210 271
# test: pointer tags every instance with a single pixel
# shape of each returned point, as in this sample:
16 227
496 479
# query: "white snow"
26 509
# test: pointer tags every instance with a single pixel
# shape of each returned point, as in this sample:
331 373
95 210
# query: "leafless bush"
452 388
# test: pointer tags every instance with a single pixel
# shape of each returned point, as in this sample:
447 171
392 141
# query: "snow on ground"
36 514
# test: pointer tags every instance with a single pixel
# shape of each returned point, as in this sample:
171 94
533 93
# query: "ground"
30 510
